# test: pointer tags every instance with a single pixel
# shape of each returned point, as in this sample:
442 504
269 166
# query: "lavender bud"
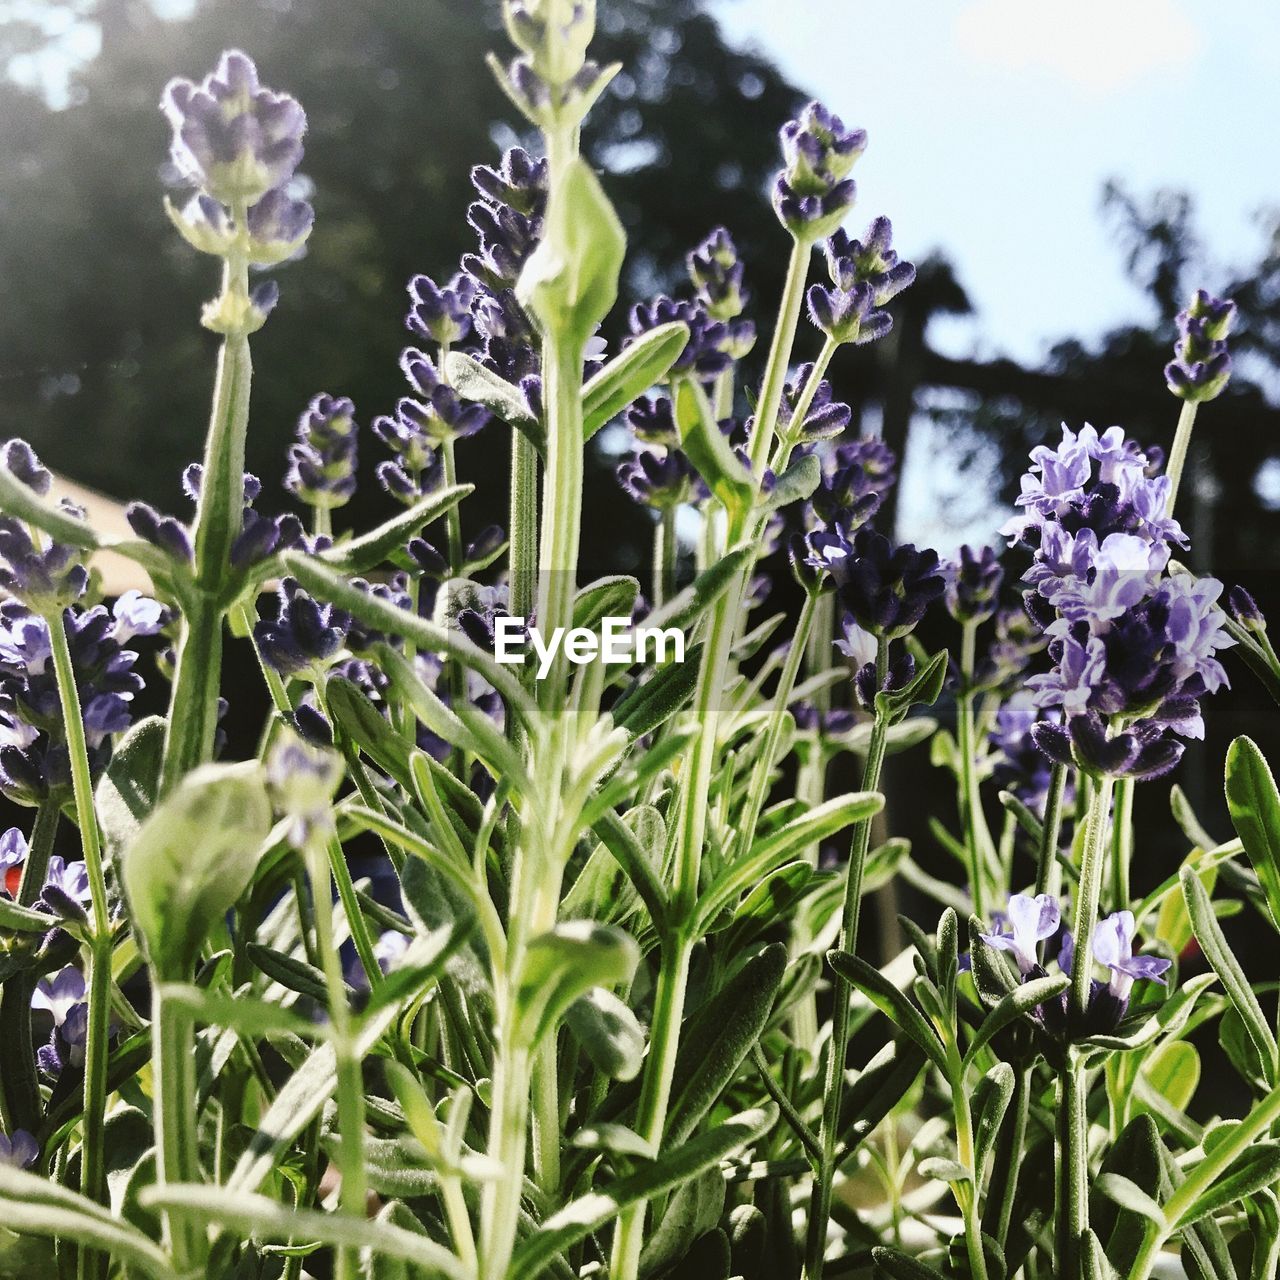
813 193
441 314
302 780
304 637
232 138
1244 609
278 227
973 585
716 272
322 465
659 480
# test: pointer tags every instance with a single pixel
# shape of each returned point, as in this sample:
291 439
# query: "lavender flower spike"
1031 921
814 192
1201 365
1113 947
322 464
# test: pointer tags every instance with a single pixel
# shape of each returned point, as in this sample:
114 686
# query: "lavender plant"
611 1010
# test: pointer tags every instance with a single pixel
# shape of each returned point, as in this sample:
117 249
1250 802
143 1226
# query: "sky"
995 123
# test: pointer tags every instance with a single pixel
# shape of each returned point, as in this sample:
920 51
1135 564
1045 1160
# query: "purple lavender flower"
716 272
658 479
43 574
1201 365
441 313
304 637
507 217
66 889
322 464
653 421
825 418
231 137
438 414
61 994
1031 921
137 615
813 193
18 1150
33 755
864 277
887 589
973 584
1113 948
278 227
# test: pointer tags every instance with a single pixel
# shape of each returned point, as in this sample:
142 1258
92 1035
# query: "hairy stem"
1048 875
1178 454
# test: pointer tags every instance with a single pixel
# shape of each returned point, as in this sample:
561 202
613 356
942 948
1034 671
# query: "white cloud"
1097 45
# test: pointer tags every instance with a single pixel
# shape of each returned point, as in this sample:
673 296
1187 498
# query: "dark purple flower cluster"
717 275
885 589
322 464
856 477
814 192
260 536
239 145
661 479
1201 364
33 755
441 313
304 637
1132 650
865 275
709 350
43 574
973 584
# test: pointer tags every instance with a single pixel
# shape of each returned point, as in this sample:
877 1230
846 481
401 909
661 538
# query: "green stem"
1008 1157
193 707
1121 844
775 378
350 1093
1047 872
1178 454
665 552
758 789
820 1199
173 1064
803 405
93 1154
977 836
1087 894
522 553
966 1193
1075 1173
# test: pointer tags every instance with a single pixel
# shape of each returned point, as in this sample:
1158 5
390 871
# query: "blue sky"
995 123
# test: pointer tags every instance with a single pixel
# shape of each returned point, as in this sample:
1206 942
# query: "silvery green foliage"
608 1007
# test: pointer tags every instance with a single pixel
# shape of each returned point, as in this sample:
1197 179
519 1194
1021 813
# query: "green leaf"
1128 1195
368 728
1167 1019
570 281
642 364
773 850
1173 1071
1258 1167
893 1264
1254 803
636 843
652 703
718 1036
1023 816
242 1012
880 1086
884 862
693 1210
688 605
611 597
795 484
1094 1262
923 691
890 1001
265 1219
290 972
17 500
595 1210
990 1102
1220 956
708 448
610 1034
193 858
128 790
942 1170
38 1206
565 963
472 381
369 550
24 919
1019 1002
